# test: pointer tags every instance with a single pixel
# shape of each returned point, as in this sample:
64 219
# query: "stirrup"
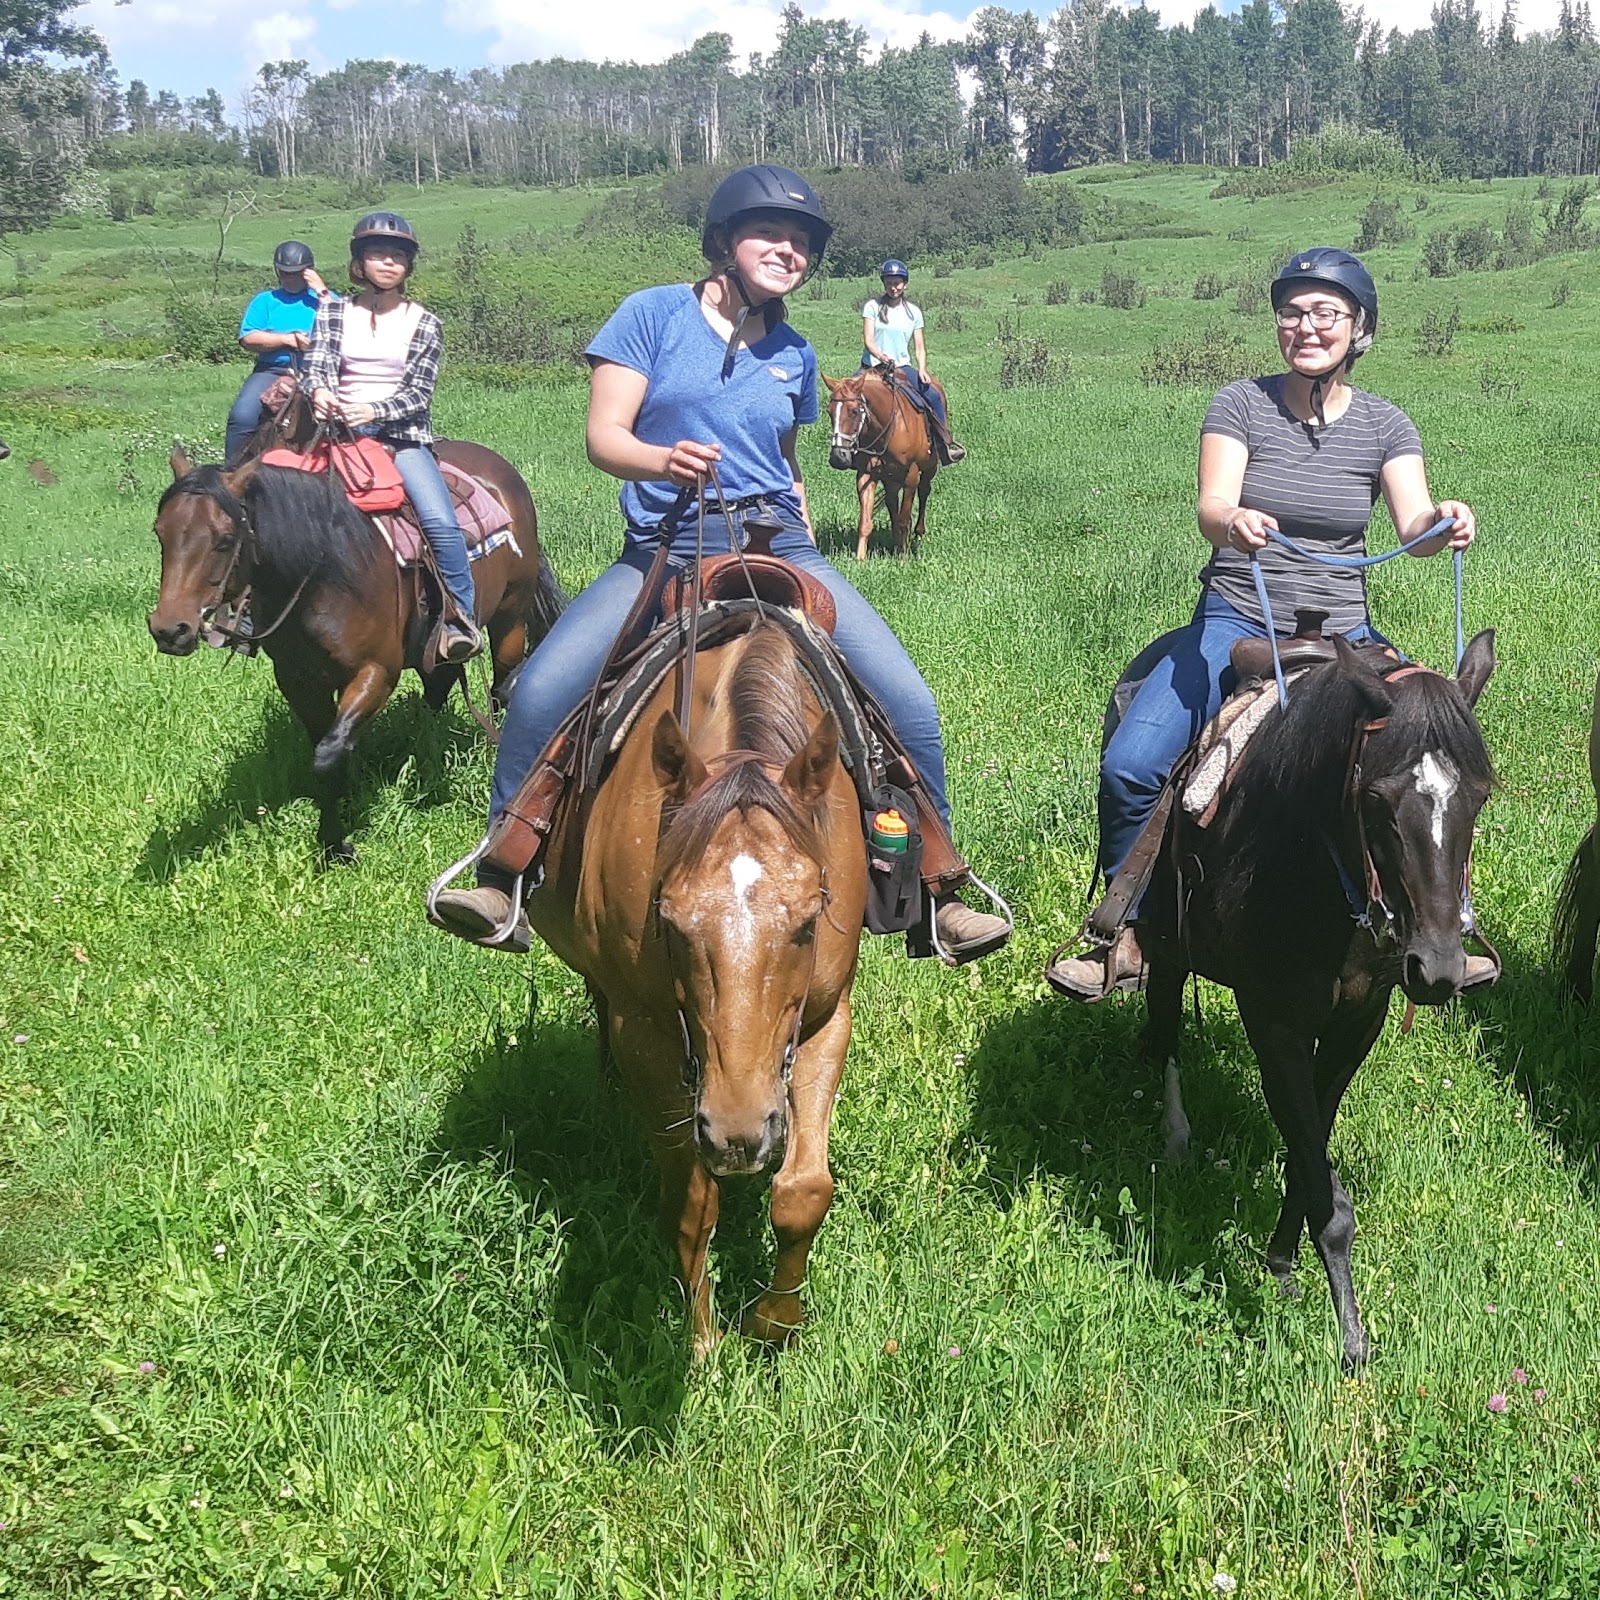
988 946
454 871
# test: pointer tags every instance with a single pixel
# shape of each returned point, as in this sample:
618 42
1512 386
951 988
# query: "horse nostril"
702 1130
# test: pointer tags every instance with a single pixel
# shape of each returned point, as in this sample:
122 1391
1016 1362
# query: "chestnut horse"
328 603
1578 908
711 890
880 432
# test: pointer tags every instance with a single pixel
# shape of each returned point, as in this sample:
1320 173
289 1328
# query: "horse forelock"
764 691
1431 714
205 483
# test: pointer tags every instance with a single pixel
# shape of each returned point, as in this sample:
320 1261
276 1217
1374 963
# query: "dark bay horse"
1578 907
329 605
1333 873
879 432
711 891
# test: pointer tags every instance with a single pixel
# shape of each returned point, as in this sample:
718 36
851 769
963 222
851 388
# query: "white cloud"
644 30
233 28
278 37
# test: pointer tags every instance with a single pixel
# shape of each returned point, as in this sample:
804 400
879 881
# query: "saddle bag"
894 876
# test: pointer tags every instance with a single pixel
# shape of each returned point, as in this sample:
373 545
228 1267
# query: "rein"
864 411
244 531
1343 561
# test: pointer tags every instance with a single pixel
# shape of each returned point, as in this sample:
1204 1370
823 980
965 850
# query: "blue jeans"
1183 690
562 670
436 514
245 417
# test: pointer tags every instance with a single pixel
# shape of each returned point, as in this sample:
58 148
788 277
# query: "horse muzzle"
174 638
729 1150
841 457
1431 974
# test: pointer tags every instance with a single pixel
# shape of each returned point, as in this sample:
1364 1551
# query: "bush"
1474 246
1382 223
202 328
1058 292
1208 286
1250 295
1120 290
119 200
1030 364
1561 294
1518 244
1216 357
1436 253
951 322
1565 228
1437 336
1496 383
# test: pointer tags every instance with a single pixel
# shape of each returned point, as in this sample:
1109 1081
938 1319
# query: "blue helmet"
767 190
894 269
1344 274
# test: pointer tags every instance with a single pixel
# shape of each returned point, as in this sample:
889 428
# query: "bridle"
207 620
852 441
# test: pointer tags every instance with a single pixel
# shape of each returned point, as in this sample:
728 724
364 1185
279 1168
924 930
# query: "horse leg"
802 1189
689 1194
1163 1033
1288 1080
312 702
508 645
362 698
867 495
909 486
924 489
1343 1045
1577 920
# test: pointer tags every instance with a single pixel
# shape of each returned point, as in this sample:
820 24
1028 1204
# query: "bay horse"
329 604
711 890
884 436
1334 871
1577 918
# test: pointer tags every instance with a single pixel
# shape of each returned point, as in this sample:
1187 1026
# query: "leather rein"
863 411
244 533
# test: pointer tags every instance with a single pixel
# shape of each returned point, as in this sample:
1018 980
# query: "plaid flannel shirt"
406 416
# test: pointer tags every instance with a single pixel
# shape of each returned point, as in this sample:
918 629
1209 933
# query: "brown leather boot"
966 933
1481 973
1090 978
477 914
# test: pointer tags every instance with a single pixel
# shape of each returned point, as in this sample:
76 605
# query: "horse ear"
1477 665
810 769
239 479
1373 689
678 769
832 383
181 465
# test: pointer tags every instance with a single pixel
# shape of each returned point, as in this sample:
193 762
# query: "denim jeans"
1183 690
931 397
436 513
562 670
245 416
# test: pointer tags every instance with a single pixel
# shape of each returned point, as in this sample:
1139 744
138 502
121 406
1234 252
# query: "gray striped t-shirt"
1320 483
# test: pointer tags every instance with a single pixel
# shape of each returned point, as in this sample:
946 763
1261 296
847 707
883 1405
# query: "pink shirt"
372 356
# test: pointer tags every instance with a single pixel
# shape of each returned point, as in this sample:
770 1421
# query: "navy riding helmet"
386 225
765 189
893 268
1337 270
292 256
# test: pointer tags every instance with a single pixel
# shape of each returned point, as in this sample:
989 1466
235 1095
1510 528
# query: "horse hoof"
1288 1289
1356 1358
1176 1153
339 854
761 1327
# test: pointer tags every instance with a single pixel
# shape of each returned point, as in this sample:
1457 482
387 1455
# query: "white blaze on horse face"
745 871
1436 782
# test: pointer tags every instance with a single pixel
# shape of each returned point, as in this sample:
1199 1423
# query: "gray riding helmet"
292 256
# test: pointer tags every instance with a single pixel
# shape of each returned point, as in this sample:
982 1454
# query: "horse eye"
806 932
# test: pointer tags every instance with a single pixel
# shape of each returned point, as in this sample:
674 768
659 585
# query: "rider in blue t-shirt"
275 329
891 330
685 378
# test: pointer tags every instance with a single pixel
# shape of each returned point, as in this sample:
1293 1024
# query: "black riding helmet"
292 256
769 190
389 226
1340 271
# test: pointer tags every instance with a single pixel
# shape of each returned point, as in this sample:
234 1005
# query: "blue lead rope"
1344 561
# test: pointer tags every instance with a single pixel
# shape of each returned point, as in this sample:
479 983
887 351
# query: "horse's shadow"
837 540
273 769
1064 1091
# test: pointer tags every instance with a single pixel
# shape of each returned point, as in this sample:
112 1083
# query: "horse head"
203 530
1419 775
742 890
849 410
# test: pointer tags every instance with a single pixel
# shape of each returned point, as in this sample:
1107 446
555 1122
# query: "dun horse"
1578 908
711 891
329 605
879 432
1334 871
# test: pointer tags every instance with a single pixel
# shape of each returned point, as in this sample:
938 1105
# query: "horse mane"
305 525
1291 786
763 691
206 482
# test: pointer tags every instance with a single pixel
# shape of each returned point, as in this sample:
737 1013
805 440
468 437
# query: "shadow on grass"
1064 1090
274 770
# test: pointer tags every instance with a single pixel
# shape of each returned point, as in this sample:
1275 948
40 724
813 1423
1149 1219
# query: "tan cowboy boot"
475 915
1090 978
968 934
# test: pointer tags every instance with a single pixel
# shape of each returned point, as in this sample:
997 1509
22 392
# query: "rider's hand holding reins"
1462 531
1242 529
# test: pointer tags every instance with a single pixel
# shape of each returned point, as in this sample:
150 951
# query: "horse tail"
549 601
1577 919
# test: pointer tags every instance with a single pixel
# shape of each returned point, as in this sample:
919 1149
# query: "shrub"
942 269
983 259
1561 294
1496 383
1058 292
1436 254
1382 223
1503 323
1250 295
1420 203
1474 245
494 320
1208 286
1437 335
1518 245
1120 290
951 322
202 328
1214 358
119 200
1565 228
1031 364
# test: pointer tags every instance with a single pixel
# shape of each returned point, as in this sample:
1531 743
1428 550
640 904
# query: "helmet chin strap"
1319 384
731 273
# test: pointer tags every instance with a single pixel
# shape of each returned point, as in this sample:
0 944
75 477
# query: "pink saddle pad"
485 522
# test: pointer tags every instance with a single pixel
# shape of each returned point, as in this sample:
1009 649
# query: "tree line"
1090 82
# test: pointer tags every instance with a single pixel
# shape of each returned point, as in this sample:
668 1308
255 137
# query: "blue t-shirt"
273 311
773 386
894 336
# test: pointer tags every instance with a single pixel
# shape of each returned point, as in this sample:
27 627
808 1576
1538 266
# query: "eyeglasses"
1322 318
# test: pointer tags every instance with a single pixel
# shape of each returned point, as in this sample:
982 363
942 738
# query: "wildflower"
1101 1557
1518 1375
219 1251
891 1347
1497 1403
1490 1309
1224 1583
195 1502
953 1351
1072 1547
1539 1395
146 1368
1138 1094
20 1038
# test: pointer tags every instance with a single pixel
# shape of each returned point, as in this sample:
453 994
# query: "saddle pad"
485 522
1223 740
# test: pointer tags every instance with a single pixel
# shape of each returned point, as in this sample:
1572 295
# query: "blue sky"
193 45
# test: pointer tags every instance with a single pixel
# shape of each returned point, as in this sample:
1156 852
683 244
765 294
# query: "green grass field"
324 1271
